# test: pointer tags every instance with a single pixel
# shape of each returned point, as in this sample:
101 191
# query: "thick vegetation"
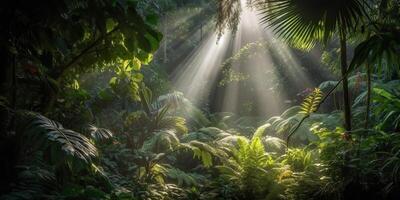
87 110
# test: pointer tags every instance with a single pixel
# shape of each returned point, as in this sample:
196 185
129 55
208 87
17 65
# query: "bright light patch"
198 74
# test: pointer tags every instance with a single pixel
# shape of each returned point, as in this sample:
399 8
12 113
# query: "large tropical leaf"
53 133
302 23
382 46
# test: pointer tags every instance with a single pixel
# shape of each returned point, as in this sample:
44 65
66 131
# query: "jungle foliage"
87 111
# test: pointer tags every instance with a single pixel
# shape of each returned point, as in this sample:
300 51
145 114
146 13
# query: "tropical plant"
303 23
250 168
47 153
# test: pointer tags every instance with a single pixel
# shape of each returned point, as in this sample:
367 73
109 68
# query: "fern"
309 106
311 103
204 152
273 144
231 140
249 166
261 130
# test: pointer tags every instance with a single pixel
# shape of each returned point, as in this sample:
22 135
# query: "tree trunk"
368 96
346 98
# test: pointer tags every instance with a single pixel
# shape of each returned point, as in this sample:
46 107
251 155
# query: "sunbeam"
197 74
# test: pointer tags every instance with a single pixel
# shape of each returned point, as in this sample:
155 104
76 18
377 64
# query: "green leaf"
152 19
311 103
136 64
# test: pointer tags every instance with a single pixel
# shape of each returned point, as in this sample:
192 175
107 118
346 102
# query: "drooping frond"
273 144
203 151
261 130
176 101
173 100
280 124
302 23
100 134
231 140
50 133
311 103
377 47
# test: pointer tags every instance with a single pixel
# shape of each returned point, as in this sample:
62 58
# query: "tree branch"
83 52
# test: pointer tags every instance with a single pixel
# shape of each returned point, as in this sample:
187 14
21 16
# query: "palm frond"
50 133
302 23
173 100
100 134
173 123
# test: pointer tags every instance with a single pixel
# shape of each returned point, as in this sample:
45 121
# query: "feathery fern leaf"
260 130
273 144
311 103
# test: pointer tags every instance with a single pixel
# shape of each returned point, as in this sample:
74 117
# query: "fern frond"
231 140
311 103
273 143
261 130
203 151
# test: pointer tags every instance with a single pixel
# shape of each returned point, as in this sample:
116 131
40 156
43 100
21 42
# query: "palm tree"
303 23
